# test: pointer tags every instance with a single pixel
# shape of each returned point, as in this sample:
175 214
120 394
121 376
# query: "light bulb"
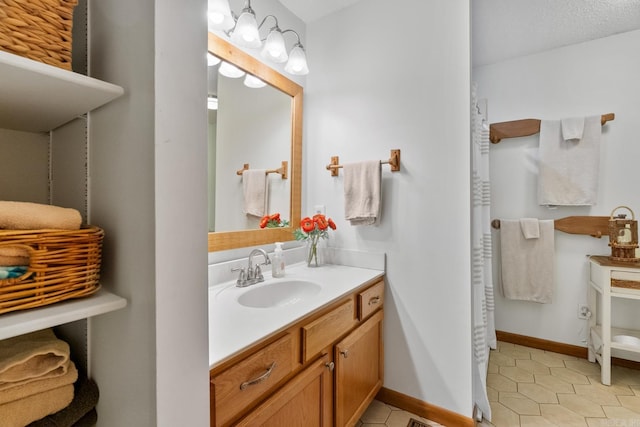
212 102
229 70
253 82
274 48
297 64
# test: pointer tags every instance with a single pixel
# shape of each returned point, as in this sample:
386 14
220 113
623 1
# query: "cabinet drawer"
370 300
625 279
325 330
246 382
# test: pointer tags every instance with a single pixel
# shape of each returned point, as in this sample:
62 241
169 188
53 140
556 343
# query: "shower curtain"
484 332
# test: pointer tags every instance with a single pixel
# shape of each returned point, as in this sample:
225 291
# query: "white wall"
591 78
381 81
148 163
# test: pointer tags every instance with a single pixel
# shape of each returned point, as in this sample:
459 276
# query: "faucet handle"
258 273
241 276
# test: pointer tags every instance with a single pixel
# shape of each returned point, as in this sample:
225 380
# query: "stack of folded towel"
36 377
14 260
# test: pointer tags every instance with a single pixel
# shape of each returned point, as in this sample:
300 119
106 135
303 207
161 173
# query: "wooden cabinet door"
359 370
302 402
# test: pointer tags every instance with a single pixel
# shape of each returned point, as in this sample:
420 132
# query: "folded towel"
572 128
568 170
32 216
21 412
527 264
11 272
88 420
17 391
530 228
31 356
362 192
255 190
14 255
84 401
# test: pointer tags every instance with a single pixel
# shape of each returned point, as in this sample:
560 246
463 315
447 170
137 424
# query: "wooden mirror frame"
224 240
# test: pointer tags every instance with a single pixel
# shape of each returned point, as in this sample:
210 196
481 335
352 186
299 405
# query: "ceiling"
503 29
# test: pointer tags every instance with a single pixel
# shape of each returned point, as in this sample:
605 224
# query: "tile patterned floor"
535 388
380 414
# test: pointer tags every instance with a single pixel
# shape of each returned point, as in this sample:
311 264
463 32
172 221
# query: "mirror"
230 239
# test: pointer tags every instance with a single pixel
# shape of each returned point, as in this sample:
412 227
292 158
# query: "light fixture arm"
275 27
298 43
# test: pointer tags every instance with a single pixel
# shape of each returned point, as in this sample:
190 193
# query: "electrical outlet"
584 312
318 209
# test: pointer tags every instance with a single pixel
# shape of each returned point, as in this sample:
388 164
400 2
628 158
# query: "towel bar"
394 161
594 226
282 170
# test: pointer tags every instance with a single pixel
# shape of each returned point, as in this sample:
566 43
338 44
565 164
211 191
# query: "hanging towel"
527 264
32 216
362 192
568 170
572 128
530 228
32 356
254 189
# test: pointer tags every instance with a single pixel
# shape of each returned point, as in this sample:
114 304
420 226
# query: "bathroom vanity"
312 354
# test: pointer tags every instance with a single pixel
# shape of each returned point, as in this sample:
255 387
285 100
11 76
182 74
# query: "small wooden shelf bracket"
283 170
525 127
594 226
393 162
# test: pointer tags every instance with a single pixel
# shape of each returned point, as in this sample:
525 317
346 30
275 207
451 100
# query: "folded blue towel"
11 272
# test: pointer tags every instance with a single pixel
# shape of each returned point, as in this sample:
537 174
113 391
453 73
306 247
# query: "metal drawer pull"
374 300
345 353
259 379
330 365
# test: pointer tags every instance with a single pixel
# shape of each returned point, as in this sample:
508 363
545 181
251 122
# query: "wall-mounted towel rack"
394 162
594 226
524 127
282 170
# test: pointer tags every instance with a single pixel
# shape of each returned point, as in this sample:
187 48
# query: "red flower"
332 225
321 220
275 217
307 224
264 221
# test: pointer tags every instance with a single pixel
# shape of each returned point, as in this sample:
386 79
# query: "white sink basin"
279 294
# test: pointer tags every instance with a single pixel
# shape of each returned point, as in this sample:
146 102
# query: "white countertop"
234 327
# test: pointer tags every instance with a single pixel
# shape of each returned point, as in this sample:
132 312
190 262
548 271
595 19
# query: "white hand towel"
527 264
254 188
362 192
572 128
530 228
568 170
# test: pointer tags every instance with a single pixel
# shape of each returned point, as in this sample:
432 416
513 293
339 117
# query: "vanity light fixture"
229 70
246 33
253 82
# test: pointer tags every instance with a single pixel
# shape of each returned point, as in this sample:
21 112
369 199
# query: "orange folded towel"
13 255
33 216
16 391
31 356
21 412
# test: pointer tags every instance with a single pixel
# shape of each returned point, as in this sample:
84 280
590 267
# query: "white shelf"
619 331
25 321
37 97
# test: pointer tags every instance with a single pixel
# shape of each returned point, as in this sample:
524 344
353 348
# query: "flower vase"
312 254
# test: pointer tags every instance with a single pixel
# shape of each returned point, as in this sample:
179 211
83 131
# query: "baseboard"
558 347
423 409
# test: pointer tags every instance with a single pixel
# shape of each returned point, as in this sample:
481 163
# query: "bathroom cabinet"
322 370
24 107
610 280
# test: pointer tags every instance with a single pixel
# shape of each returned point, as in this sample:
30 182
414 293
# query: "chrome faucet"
253 274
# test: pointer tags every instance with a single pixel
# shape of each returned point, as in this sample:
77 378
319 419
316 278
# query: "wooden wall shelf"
594 226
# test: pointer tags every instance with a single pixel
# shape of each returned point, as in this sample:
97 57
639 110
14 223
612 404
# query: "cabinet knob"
374 300
345 353
330 365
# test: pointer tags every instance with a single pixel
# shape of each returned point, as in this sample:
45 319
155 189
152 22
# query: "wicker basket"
38 29
63 264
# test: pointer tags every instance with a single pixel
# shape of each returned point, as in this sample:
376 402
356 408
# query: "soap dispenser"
277 264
